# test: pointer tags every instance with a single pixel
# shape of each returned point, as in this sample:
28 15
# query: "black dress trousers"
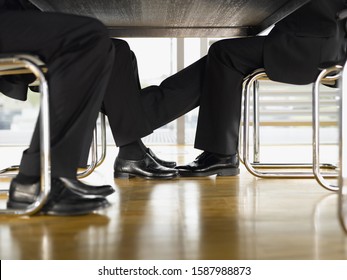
81 60
294 50
229 61
214 83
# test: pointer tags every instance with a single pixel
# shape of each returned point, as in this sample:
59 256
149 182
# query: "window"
158 58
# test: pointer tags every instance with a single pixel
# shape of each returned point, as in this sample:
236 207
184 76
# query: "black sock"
25 179
132 151
142 145
220 155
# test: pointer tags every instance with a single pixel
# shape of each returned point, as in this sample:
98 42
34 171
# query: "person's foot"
207 164
62 199
169 164
146 167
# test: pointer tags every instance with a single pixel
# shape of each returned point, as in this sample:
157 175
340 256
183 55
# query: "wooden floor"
206 218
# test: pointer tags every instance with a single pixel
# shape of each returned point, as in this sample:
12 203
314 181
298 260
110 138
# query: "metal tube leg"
246 121
342 193
95 162
31 63
315 126
240 149
91 167
256 135
103 139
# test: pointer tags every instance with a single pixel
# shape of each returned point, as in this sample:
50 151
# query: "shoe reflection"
49 238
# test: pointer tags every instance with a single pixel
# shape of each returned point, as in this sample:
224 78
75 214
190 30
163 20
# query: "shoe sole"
220 172
59 212
75 212
17 205
123 175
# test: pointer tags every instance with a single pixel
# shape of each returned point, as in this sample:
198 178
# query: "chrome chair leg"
91 167
95 161
103 139
256 136
241 137
256 166
337 75
30 64
342 182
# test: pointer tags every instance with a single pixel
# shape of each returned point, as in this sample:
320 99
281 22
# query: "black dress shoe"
62 199
208 164
146 168
87 190
169 164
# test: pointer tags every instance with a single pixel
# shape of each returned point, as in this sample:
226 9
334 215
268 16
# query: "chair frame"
22 64
251 82
95 161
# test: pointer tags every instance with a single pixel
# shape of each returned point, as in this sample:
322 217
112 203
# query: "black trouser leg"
122 103
229 61
77 52
175 96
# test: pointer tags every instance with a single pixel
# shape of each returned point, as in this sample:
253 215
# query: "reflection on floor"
239 217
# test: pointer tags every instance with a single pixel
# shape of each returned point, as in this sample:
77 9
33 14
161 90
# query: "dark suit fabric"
85 70
293 51
309 38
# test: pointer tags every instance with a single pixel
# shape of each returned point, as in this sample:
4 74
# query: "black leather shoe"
87 190
208 164
62 200
146 168
169 164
